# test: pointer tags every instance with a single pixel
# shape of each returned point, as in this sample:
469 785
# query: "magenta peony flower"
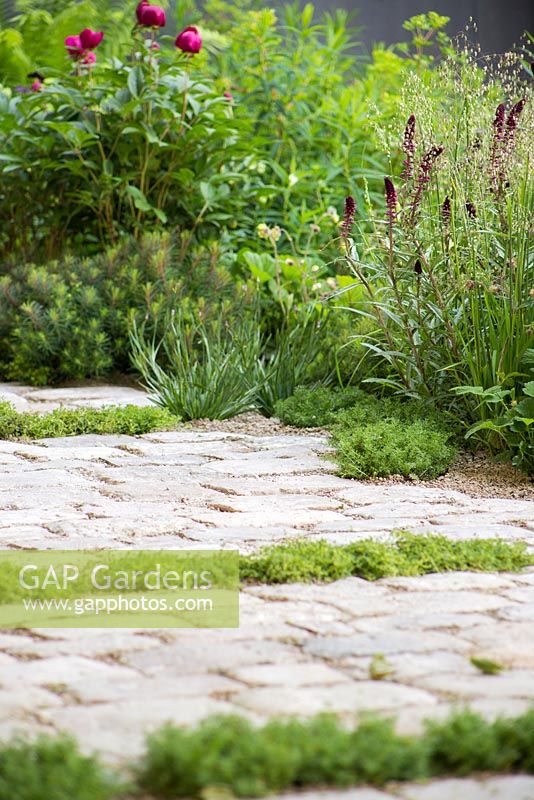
36 86
74 46
139 10
151 16
90 39
189 40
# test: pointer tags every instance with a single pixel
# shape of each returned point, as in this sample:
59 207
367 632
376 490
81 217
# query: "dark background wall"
500 22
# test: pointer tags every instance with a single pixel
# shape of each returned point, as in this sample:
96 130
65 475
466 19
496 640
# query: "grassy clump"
133 420
248 761
52 769
410 554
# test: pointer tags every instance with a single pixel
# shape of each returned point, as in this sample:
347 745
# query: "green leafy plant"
513 430
53 769
32 36
132 420
446 262
304 561
229 754
321 751
218 368
115 148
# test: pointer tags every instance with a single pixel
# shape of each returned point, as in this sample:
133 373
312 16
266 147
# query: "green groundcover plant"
408 554
53 769
230 755
131 420
375 437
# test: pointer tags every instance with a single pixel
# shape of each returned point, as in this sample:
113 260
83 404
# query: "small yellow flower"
531 293
263 230
332 213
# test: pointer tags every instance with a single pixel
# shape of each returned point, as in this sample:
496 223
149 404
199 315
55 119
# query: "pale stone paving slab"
300 648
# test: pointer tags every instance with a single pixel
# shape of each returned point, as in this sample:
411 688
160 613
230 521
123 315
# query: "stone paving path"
299 649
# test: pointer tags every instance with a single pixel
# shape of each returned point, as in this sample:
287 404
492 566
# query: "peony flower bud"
89 59
189 40
36 86
151 16
90 39
139 10
74 46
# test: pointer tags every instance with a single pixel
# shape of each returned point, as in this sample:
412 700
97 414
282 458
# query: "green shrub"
304 561
132 420
392 447
52 769
129 145
70 319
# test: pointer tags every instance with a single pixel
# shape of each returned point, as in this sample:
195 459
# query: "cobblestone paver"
300 649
